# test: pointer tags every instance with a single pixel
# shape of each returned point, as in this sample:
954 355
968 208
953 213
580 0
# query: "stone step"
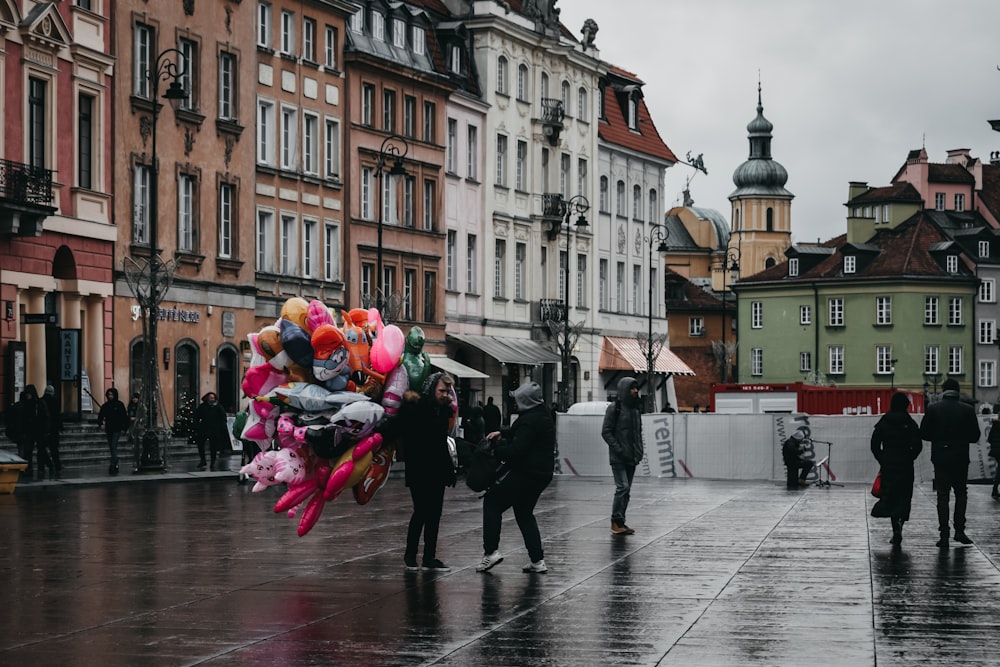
87 446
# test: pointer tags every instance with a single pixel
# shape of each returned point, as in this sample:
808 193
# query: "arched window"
654 206
582 104
564 96
545 85
736 220
522 82
770 219
620 198
136 361
636 202
228 376
502 75
186 382
605 204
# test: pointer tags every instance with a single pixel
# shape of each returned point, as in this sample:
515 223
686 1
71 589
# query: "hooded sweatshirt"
622 428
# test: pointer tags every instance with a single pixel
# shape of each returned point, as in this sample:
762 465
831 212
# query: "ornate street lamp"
657 234
730 268
576 205
394 148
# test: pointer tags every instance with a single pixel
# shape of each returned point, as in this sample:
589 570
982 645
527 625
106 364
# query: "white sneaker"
537 566
489 560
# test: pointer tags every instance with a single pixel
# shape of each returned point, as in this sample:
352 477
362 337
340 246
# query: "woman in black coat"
896 444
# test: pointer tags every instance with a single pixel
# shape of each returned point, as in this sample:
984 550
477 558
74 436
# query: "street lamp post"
395 148
575 205
731 267
657 234
171 67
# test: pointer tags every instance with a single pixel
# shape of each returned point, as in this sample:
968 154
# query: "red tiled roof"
614 129
899 192
990 195
948 173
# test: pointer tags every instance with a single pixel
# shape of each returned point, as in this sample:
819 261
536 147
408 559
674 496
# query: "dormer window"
850 264
793 267
959 203
633 111
984 249
378 26
951 264
419 40
398 33
938 201
456 59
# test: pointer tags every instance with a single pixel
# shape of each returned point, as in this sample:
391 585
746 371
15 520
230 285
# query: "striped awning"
619 353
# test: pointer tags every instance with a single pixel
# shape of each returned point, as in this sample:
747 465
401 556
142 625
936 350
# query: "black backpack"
482 469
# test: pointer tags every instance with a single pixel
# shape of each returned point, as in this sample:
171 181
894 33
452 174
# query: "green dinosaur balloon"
415 360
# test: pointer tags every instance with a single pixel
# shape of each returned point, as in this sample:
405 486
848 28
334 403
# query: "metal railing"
24 183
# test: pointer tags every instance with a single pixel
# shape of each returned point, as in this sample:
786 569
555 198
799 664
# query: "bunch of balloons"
318 391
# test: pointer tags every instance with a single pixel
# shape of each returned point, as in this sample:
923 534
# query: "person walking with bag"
527 448
113 418
622 430
950 425
896 445
211 423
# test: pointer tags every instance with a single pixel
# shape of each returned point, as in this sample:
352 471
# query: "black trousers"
428 503
948 477
521 492
797 470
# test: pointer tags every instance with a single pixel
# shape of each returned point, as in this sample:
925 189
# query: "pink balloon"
311 514
387 349
337 480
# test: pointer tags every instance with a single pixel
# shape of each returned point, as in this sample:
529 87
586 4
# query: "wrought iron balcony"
553 310
552 118
25 192
553 206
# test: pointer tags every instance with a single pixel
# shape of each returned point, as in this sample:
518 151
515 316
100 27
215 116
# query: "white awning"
456 369
625 354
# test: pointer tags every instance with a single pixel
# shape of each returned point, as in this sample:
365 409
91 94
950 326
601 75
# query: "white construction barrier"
727 446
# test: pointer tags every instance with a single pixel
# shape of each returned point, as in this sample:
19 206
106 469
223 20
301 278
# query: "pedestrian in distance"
993 437
422 426
113 418
896 444
211 423
527 450
797 468
492 416
950 425
474 425
27 425
55 426
622 430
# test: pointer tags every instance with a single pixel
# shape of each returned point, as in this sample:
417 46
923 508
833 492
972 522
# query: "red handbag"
877 485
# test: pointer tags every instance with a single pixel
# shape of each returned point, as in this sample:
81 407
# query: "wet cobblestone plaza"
146 571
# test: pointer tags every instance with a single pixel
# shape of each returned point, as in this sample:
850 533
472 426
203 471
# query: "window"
931 310
227 86
563 273
805 362
265 132
470 265
836 365
289 138
636 202
654 207
389 110
408 202
472 153
620 199
544 269
367 175
581 281
429 112
378 26
883 310
310 144
265 241
409 289
310 248
502 75
955 360
987 332
564 96
429 203
520 256
367 104
696 326
987 373
388 280
932 354
987 290
501 175
367 271
959 203
883 360
544 85
603 199
85 141
545 169
309 39
633 112
187 62
390 204
399 33
581 176
522 82
805 314
499 274
456 59
793 267
430 296
142 58
358 25
185 212
331 148
582 104
449 260
330 48
620 287
521 166
564 175
602 284
419 39
850 263
756 314
756 361
939 201
409 116
951 263
451 146
955 311
287 33
264 25
227 201
636 290
287 245
140 204
835 312
331 252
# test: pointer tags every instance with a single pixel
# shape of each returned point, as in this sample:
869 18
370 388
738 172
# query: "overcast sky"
850 86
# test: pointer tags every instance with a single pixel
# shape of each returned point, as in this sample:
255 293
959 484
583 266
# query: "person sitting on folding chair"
797 468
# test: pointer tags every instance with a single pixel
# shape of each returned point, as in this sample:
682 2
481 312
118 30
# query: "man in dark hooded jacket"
27 425
622 430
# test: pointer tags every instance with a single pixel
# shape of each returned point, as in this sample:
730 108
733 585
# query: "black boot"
897 531
995 494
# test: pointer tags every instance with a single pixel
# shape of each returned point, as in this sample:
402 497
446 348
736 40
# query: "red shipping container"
824 400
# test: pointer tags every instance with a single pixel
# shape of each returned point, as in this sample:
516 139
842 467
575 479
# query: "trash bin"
11 467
